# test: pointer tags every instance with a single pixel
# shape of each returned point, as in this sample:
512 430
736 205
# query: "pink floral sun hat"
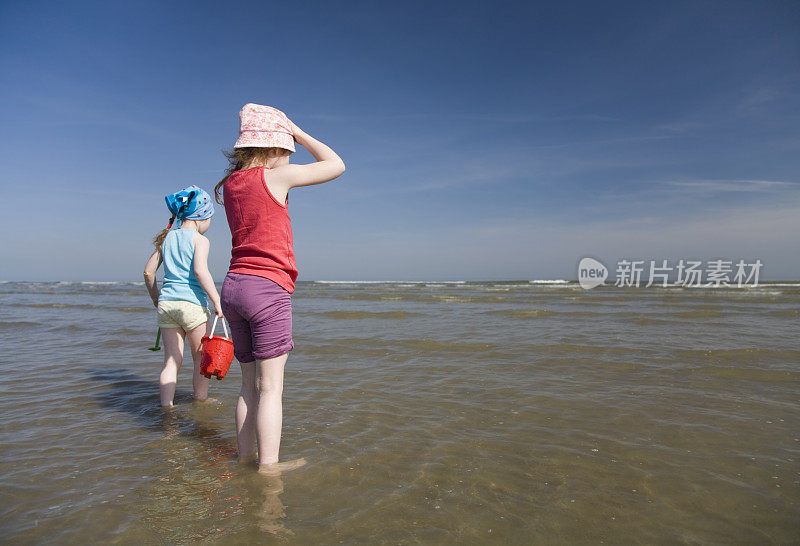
264 126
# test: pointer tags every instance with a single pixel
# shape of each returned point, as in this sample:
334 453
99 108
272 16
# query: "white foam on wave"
111 283
356 282
734 286
389 282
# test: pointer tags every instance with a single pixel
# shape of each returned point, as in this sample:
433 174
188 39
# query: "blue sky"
482 140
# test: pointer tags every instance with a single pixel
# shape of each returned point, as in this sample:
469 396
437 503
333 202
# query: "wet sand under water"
496 412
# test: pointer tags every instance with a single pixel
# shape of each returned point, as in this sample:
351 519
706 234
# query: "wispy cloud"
488 117
734 185
535 118
467 177
687 126
69 112
536 246
755 101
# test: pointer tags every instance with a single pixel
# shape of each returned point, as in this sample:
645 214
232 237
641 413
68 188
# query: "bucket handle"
214 327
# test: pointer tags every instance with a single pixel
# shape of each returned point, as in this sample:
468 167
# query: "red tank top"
261 229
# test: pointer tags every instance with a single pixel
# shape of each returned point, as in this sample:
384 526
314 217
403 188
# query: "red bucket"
217 353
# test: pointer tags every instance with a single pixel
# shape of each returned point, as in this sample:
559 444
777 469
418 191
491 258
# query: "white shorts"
181 314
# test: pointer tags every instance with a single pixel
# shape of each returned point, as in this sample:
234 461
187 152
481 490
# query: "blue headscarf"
192 203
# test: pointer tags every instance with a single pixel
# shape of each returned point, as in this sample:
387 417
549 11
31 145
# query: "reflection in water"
480 413
196 478
261 502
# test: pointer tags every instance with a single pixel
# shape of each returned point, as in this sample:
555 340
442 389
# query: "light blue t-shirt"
180 282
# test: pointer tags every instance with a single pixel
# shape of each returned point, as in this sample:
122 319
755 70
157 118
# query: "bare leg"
173 358
199 381
270 408
270 416
246 409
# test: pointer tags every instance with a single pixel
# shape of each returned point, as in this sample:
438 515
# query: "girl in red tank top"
256 292
261 228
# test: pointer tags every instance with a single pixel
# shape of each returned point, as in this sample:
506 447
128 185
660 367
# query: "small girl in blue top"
186 288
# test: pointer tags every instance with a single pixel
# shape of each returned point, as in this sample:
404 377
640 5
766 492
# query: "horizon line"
367 281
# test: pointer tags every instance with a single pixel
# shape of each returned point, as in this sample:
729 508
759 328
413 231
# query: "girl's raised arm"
328 166
150 268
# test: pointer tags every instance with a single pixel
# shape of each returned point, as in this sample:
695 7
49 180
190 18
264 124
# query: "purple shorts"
259 312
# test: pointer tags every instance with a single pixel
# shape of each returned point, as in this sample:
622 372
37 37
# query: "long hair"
239 157
158 240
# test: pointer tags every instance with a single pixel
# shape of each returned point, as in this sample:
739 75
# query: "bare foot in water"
275 469
209 400
247 459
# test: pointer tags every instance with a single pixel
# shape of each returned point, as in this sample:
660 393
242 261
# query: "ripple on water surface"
433 412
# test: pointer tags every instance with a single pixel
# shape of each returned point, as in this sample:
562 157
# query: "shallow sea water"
429 413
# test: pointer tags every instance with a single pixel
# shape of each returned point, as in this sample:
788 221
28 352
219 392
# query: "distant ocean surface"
429 413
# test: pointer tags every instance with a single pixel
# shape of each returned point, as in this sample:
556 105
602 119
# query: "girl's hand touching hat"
295 129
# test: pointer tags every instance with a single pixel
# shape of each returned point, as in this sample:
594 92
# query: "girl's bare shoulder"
281 173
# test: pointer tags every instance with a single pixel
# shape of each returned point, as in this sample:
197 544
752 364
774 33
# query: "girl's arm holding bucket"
201 247
150 269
